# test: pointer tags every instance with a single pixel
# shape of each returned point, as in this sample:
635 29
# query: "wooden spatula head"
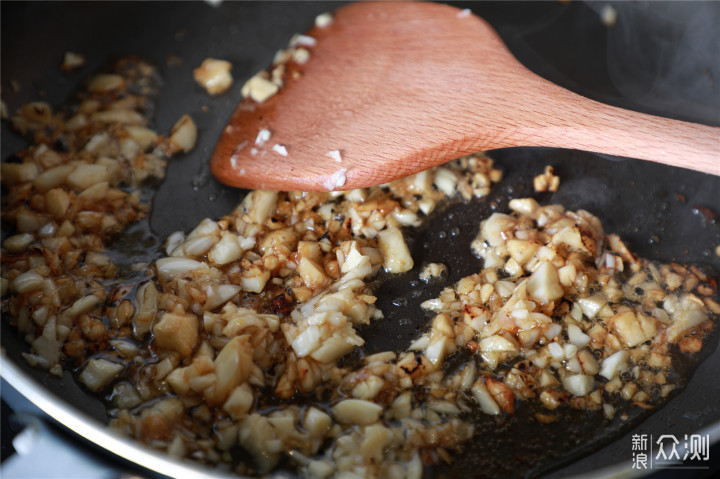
379 86
394 88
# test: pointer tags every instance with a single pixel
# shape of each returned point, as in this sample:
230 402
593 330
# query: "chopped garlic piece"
324 20
335 155
183 135
259 88
433 271
395 250
547 181
256 308
302 40
336 180
608 14
262 137
214 75
98 373
357 411
72 61
280 150
178 332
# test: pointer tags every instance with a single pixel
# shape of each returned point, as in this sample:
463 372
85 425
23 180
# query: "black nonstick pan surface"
661 58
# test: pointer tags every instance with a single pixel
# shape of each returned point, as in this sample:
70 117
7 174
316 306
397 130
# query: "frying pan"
659 58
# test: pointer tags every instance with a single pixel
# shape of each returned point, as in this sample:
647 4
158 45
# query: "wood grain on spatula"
399 87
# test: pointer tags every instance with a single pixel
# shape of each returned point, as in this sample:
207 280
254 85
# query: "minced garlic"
214 75
235 337
548 181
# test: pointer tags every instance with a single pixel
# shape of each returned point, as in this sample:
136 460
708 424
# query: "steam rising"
666 56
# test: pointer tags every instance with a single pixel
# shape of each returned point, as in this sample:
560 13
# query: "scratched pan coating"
663 213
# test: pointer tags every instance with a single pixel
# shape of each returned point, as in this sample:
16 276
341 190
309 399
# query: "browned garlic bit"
66 196
260 305
433 271
548 181
245 311
214 75
562 313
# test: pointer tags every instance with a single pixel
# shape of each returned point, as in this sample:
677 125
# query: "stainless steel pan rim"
156 461
100 434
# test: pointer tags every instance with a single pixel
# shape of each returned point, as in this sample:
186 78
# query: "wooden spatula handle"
615 131
532 111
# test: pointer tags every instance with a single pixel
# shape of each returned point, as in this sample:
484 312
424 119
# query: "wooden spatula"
391 89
